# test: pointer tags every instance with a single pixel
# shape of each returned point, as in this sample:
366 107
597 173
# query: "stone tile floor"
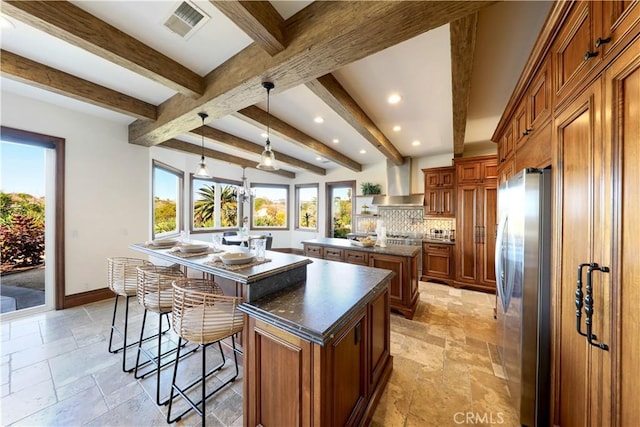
56 371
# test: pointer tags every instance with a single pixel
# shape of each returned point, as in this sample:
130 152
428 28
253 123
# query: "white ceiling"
418 69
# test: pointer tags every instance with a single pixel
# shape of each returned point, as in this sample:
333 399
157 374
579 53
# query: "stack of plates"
192 247
236 258
163 243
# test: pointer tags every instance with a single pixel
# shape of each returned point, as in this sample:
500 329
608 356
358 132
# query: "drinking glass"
260 245
217 241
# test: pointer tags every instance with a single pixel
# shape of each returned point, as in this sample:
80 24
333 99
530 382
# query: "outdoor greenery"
204 207
165 215
342 217
21 230
309 214
269 213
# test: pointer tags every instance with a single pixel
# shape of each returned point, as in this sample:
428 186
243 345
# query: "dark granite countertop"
400 250
315 309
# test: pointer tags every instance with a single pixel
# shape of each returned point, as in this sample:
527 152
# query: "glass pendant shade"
267 158
244 192
202 167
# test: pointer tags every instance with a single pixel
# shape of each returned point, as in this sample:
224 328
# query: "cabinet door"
447 178
618 16
437 260
447 207
488 235
489 170
432 201
620 326
573 49
468 173
349 378
520 124
577 132
431 179
539 97
397 265
466 234
379 345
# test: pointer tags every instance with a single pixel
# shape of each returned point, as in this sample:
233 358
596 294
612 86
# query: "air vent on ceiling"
186 19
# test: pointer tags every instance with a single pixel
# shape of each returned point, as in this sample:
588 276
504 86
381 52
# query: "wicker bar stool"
122 278
202 315
155 295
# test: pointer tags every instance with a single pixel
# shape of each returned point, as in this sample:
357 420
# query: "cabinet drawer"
430 247
333 254
356 257
313 251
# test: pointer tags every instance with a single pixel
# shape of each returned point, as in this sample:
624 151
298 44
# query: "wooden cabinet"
404 286
597 140
290 381
476 223
333 254
356 257
439 197
437 262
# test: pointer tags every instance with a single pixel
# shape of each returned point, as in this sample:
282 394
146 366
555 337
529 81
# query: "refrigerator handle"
588 306
579 297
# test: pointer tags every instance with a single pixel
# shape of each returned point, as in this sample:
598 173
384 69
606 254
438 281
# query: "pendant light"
202 168
267 159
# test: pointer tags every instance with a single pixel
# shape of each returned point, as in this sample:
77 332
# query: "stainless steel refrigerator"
523 246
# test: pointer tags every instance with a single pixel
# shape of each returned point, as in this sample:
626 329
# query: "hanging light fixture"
202 169
267 159
244 192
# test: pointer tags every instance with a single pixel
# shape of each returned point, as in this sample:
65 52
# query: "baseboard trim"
87 297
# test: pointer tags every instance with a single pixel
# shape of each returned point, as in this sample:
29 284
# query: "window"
306 207
214 204
167 199
270 206
340 209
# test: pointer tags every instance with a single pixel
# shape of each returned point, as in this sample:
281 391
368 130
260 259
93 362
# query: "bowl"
164 242
236 258
192 247
363 244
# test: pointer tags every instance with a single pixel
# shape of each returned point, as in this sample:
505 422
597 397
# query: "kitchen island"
317 350
403 260
318 353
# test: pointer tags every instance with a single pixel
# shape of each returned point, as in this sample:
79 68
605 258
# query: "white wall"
106 190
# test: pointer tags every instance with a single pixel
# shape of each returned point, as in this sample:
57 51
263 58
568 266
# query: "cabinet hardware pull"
580 296
588 307
600 41
590 55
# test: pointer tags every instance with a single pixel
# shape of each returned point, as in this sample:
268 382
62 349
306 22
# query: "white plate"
164 242
367 244
236 258
191 248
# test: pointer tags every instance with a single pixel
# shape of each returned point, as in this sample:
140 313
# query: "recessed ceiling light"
318 120
415 143
397 128
264 135
336 140
363 151
394 98
318 158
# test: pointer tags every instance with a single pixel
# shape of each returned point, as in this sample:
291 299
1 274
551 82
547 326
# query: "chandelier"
244 192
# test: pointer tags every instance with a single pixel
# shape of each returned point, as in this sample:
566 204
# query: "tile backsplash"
410 219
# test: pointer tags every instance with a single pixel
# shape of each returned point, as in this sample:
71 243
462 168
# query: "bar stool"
155 295
122 278
202 315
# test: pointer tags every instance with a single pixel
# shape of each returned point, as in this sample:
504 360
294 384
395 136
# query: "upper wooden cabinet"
439 199
476 170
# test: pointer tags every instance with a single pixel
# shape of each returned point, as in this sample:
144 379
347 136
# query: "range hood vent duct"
399 187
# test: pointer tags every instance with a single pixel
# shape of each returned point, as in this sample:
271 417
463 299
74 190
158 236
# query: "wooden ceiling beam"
463 45
332 93
242 144
259 20
185 147
257 116
79 28
24 70
322 37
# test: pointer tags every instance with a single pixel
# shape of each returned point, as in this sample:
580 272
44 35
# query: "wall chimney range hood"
399 187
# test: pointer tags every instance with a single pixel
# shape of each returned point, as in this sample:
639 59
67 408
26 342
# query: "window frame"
287 188
179 198
297 188
216 180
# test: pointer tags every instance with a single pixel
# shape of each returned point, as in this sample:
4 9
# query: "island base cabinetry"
404 285
290 381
